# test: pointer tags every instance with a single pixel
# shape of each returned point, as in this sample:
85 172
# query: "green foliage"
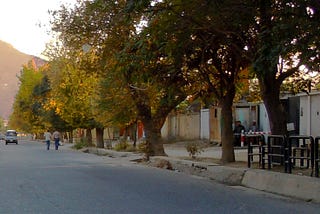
130 72
80 144
123 145
25 116
287 37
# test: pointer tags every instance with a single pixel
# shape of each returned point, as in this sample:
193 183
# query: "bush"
80 144
194 149
122 146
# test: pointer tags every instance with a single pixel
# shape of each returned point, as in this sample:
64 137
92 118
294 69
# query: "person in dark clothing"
56 137
238 128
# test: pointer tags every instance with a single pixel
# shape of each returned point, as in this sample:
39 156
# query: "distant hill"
11 62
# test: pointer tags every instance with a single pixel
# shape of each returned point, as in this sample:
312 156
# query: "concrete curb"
227 175
302 187
295 186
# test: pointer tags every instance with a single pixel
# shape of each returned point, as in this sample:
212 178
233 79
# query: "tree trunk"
266 67
153 139
99 134
70 135
89 136
152 128
270 90
135 130
226 128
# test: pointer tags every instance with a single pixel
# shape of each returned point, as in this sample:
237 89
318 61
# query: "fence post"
316 156
255 141
277 150
303 149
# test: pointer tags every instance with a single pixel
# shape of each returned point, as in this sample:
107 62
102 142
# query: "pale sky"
19 23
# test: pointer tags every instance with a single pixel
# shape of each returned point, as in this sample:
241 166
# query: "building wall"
263 119
182 126
242 114
310 114
315 115
215 125
304 112
205 124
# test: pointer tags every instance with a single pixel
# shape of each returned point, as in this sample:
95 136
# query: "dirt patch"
183 144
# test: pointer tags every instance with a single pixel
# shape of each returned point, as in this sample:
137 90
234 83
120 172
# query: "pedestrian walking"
56 138
47 137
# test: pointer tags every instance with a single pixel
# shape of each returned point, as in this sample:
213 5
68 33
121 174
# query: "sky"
20 20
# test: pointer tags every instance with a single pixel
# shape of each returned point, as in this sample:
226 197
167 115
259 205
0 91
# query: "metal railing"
255 142
276 151
303 151
316 156
294 152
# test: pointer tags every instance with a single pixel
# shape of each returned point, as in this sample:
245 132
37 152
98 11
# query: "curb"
297 186
294 186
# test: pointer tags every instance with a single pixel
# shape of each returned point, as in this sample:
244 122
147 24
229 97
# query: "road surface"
34 180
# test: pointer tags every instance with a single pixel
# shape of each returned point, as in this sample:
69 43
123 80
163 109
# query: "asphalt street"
34 180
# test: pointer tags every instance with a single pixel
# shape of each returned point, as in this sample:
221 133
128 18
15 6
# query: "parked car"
11 137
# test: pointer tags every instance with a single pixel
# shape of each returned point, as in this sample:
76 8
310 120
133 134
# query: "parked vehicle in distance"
11 137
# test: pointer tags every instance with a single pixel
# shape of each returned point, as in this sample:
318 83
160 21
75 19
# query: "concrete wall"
247 113
215 124
263 124
315 115
304 115
310 114
182 126
205 124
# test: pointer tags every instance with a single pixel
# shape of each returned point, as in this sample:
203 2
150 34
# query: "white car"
11 137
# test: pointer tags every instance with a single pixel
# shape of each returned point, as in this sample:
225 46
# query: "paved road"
34 180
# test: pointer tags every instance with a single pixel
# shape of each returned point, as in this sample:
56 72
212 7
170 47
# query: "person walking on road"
56 137
47 136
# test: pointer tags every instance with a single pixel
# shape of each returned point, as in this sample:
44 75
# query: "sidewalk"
296 186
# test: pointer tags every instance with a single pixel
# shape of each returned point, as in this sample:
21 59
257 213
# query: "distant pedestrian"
47 137
56 138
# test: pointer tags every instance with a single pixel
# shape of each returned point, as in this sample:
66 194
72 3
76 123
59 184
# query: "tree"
287 38
42 97
109 31
72 91
83 30
24 116
206 44
155 89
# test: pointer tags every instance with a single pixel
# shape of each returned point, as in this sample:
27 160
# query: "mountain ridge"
11 62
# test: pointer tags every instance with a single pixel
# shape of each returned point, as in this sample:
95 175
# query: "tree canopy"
120 61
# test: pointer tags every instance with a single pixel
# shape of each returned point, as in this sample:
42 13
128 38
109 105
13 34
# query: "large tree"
287 38
25 115
206 41
135 72
72 92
